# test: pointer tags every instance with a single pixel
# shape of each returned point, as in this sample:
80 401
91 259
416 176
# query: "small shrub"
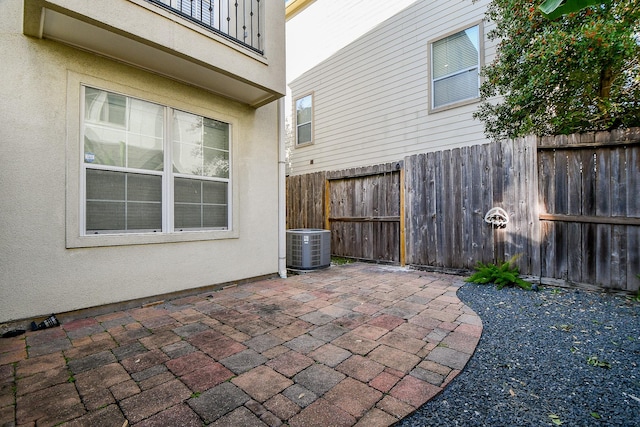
504 274
336 260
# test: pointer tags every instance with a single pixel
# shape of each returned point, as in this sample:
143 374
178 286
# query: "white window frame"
311 122
479 66
75 178
167 174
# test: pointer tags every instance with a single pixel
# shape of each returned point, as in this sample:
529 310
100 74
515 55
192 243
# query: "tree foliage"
579 72
555 8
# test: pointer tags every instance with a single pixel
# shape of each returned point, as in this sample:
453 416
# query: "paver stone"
322 413
353 397
49 406
178 415
413 391
262 383
318 378
218 401
243 361
150 402
240 417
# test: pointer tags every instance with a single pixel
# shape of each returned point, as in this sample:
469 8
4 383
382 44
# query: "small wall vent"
308 248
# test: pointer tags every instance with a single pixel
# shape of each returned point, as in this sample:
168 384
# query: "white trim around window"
142 170
304 120
455 61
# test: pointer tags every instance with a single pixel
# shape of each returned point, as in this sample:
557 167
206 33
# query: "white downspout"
282 213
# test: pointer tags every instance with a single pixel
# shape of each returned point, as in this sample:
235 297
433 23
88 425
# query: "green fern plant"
503 274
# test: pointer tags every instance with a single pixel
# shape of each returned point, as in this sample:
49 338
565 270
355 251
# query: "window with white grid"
150 168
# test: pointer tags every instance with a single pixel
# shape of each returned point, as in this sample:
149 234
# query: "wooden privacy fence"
364 212
573 204
448 194
590 201
361 206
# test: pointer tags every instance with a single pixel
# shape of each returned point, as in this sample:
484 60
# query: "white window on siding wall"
148 168
455 68
304 120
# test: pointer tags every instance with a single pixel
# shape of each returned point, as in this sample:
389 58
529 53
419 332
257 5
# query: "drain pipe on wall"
282 218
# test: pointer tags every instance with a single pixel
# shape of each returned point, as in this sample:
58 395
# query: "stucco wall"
39 138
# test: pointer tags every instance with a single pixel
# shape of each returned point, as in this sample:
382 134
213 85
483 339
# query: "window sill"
454 105
305 144
100 240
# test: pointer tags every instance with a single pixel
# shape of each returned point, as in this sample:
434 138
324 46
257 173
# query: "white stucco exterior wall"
40 272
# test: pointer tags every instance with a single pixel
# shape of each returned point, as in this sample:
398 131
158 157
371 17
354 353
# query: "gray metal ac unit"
308 248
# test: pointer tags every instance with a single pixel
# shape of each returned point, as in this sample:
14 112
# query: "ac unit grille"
308 248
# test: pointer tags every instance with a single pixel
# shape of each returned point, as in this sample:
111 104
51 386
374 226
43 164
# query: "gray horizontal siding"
371 98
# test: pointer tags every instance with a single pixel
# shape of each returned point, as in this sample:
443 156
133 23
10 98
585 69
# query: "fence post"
402 220
327 204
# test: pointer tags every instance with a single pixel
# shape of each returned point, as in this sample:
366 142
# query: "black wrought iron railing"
238 20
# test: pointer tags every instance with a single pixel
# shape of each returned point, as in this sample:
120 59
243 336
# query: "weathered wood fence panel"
363 212
590 221
449 193
305 200
573 203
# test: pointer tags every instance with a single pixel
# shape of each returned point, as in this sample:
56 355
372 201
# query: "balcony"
239 20
226 47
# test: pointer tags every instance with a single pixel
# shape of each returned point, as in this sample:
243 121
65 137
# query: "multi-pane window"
304 120
151 168
200 171
455 67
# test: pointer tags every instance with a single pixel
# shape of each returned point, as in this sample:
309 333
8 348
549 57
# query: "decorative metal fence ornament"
497 217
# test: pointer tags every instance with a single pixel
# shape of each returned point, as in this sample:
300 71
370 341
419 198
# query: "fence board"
515 195
533 231
432 217
603 208
501 196
456 206
618 209
416 207
486 203
474 210
574 207
633 210
633 258
440 208
466 196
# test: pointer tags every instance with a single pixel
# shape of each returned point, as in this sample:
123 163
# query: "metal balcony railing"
237 20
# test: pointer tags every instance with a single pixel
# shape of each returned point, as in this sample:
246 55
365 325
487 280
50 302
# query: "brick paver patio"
359 344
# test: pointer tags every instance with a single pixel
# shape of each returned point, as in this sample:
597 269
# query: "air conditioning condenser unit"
308 248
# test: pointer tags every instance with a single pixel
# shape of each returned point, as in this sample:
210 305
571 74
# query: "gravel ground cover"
547 358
